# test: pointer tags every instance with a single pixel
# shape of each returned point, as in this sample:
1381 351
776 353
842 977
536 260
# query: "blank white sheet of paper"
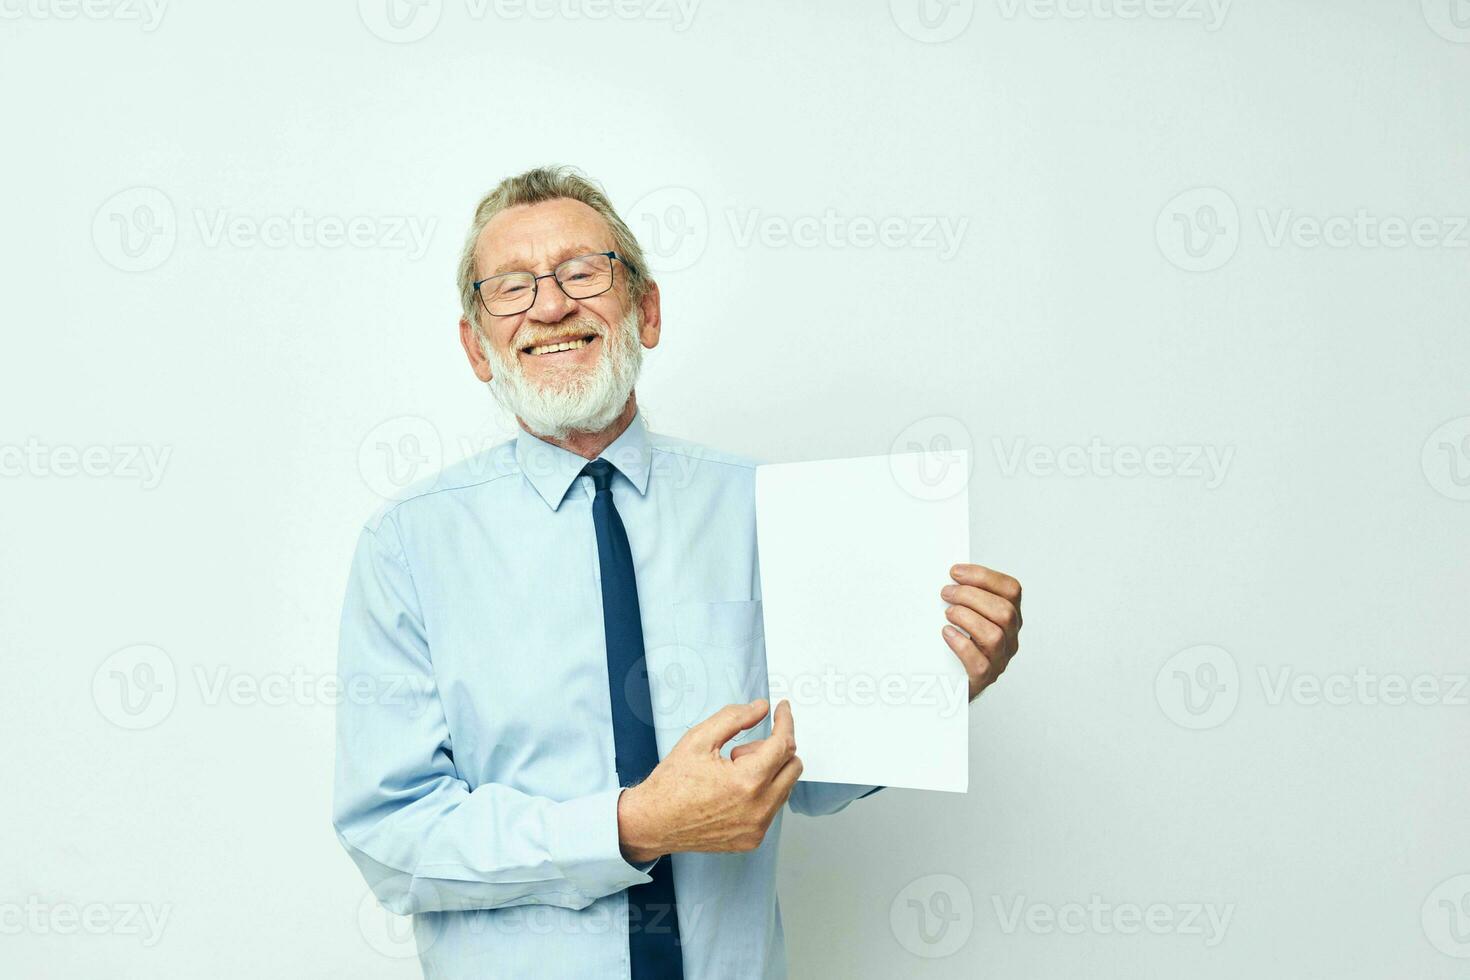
853 553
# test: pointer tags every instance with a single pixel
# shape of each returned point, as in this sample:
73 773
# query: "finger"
995 608
729 721
988 579
977 666
783 724
773 751
988 637
785 780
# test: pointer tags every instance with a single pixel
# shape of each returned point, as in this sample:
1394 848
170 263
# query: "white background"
291 382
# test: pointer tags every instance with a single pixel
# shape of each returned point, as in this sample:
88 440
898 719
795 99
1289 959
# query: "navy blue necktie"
653 922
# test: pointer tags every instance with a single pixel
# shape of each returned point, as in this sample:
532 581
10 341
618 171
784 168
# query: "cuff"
582 835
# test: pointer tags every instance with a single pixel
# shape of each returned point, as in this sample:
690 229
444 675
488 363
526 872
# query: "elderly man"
533 780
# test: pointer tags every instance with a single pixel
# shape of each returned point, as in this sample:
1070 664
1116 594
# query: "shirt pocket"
718 657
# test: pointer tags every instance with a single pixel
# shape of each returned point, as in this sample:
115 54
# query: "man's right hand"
697 800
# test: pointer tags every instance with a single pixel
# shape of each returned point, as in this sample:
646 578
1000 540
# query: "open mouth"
557 347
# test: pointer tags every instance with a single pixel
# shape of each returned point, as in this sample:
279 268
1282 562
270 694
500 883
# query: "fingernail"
951 632
947 592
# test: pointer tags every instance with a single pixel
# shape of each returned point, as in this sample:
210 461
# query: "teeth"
565 345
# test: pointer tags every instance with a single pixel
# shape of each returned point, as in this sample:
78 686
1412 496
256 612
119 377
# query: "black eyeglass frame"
612 280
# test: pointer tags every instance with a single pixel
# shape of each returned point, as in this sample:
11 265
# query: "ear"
651 316
471 344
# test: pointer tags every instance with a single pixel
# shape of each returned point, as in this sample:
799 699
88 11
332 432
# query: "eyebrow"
560 256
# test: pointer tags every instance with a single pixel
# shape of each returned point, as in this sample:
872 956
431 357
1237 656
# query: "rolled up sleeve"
822 799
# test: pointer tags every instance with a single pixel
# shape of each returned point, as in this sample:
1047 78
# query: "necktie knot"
601 472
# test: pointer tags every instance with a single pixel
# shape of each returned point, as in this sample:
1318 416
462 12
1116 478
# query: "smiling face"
558 344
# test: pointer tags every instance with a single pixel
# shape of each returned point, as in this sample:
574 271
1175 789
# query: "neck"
589 445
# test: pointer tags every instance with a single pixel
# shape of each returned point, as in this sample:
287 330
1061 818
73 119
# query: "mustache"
527 338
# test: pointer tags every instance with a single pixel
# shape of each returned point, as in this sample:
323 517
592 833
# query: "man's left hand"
985 604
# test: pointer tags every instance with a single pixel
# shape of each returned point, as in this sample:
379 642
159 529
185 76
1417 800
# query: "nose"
551 305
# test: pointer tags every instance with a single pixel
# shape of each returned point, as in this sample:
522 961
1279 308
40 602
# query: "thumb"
730 721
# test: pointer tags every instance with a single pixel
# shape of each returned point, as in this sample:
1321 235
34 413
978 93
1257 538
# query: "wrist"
637 831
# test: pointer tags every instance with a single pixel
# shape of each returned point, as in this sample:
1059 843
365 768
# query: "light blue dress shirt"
475 783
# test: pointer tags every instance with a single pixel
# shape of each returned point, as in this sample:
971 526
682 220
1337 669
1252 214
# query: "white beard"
586 401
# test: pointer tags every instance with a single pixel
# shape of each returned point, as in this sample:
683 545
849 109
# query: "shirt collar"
552 469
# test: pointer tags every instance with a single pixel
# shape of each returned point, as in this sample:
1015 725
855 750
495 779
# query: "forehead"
530 235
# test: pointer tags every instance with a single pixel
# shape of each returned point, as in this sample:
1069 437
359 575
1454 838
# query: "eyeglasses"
582 277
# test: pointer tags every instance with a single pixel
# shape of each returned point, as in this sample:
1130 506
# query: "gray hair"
534 187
